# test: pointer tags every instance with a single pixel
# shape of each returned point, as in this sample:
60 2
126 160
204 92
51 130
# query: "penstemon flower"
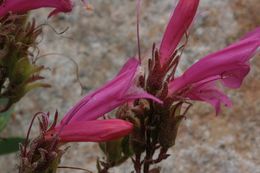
22 6
80 124
230 66
43 153
118 91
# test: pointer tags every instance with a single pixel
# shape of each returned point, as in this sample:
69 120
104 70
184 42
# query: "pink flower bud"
179 23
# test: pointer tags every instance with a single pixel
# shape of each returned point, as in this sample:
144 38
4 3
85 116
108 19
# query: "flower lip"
229 63
230 66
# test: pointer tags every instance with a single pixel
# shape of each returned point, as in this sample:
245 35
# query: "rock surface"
100 42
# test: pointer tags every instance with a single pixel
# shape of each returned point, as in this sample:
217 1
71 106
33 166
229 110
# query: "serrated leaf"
10 145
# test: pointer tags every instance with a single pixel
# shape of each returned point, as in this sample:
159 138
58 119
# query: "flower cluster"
151 101
81 123
156 125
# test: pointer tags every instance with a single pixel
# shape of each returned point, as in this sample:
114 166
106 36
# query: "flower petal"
22 6
179 23
116 92
210 94
92 131
230 65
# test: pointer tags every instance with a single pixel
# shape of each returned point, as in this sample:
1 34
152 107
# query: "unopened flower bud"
116 151
169 125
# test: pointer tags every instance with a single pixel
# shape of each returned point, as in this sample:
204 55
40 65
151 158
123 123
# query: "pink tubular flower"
179 23
91 131
230 66
80 123
116 92
22 6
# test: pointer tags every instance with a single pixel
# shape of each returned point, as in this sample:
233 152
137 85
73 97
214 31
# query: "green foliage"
10 145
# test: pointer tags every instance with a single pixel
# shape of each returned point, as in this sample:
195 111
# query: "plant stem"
148 149
137 163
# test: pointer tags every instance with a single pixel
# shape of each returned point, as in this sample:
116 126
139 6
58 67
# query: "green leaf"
126 147
10 145
4 116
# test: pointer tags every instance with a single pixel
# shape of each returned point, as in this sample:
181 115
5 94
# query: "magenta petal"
92 131
135 93
116 92
22 6
210 94
235 77
179 23
230 65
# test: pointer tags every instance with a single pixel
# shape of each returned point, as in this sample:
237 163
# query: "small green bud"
116 151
